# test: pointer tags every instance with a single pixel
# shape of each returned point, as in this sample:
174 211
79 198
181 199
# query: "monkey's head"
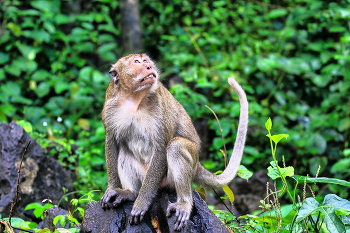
135 73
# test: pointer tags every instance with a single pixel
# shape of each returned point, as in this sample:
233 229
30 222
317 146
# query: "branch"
19 173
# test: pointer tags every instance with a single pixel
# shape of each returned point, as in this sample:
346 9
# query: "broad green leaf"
243 172
273 172
229 193
321 80
341 166
337 28
40 75
61 219
43 89
98 77
301 179
275 13
278 137
330 204
85 73
46 6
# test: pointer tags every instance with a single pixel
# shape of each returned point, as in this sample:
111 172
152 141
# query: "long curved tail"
206 178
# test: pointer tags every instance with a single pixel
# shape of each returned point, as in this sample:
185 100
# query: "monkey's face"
135 73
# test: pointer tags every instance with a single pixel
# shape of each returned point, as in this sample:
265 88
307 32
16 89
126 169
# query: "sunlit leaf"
244 173
202 193
229 193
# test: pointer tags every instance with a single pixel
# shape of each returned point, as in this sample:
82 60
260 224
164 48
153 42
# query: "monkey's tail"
206 178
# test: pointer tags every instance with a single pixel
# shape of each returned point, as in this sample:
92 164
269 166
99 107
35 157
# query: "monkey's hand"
182 213
114 197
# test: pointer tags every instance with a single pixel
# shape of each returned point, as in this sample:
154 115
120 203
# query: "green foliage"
303 215
335 212
291 57
38 209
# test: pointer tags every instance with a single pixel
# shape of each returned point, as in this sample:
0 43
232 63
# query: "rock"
41 176
97 220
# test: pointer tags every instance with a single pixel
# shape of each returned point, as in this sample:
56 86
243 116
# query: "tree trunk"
131 28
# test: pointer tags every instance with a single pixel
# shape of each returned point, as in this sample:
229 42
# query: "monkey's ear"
114 75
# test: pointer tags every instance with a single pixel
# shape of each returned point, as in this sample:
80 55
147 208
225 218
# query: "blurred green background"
291 57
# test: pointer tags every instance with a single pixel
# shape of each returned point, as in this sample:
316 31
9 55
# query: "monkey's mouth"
148 79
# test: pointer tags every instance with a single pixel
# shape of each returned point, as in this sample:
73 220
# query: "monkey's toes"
136 216
182 215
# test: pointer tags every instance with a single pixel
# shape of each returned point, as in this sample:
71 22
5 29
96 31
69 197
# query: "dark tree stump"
97 220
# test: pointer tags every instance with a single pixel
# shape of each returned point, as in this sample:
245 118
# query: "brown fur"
151 141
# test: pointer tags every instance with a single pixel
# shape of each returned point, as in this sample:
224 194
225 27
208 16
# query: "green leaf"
28 52
33 206
61 219
46 6
301 179
268 124
43 89
14 28
321 80
275 13
243 172
229 193
98 77
27 126
330 204
337 28
273 172
341 166
201 192
3 58
278 137
40 75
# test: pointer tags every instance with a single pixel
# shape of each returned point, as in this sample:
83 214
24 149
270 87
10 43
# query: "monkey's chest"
138 135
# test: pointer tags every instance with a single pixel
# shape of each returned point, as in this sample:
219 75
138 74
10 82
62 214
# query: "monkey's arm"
155 173
112 153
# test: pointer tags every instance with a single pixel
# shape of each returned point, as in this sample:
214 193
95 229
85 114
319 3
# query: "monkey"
151 142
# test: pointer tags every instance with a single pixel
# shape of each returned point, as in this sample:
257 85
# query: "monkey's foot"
117 196
182 213
136 215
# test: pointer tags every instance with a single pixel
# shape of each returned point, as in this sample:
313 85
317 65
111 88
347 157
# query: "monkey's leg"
156 171
182 157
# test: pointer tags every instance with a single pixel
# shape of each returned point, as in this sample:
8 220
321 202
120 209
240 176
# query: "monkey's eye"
137 61
144 61
113 73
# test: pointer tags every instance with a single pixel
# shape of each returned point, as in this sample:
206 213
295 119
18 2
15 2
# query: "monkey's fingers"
107 197
183 221
171 207
119 199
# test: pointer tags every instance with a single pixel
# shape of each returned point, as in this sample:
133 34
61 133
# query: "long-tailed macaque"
152 143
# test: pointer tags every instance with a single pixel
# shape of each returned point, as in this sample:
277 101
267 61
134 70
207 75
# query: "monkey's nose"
148 67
